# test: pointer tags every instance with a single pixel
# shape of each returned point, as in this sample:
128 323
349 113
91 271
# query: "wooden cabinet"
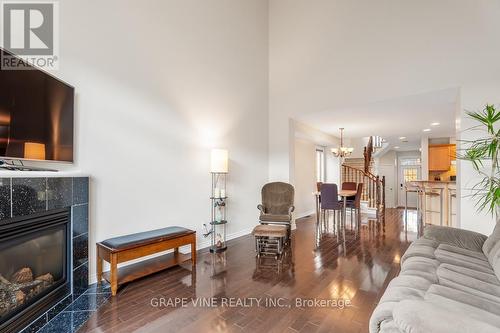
440 157
453 152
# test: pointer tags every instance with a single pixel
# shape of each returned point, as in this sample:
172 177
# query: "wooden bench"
121 249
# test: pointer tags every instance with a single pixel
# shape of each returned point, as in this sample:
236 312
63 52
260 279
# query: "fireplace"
34 266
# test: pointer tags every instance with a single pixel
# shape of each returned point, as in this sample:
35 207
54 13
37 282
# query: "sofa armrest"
457 237
423 317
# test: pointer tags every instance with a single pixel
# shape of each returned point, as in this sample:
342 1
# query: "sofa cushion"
466 261
446 284
457 237
480 306
491 249
482 276
406 287
494 259
422 267
492 240
462 251
381 317
441 316
420 248
468 284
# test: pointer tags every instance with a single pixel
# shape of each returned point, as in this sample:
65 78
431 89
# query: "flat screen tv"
36 115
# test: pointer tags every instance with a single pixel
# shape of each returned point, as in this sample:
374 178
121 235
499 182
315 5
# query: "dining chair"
355 206
349 186
330 202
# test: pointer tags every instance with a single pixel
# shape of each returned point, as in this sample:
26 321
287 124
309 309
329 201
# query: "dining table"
343 194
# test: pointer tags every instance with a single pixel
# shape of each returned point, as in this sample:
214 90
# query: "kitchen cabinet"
440 157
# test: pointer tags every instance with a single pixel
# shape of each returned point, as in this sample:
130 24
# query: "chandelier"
342 151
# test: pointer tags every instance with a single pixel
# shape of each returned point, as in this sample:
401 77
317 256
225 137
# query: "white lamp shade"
219 161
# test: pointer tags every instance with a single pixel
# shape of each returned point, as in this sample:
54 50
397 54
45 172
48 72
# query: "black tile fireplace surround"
23 198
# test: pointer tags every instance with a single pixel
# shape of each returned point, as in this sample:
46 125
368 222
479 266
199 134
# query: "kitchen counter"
438 201
435 181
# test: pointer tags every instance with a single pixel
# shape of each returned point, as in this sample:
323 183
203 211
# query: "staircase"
357 163
359 170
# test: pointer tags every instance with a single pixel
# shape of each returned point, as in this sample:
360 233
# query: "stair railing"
373 187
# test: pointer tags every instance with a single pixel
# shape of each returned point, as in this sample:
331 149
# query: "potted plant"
485 148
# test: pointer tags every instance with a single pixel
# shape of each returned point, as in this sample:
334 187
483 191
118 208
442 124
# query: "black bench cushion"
143 238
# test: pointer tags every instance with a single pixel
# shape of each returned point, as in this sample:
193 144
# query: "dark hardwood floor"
359 275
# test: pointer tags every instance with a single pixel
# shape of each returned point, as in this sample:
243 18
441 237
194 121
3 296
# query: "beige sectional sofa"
449 282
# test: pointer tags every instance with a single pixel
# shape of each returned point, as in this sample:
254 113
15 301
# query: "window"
320 165
410 161
410 174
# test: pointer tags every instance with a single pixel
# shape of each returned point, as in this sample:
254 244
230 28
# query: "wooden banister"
373 189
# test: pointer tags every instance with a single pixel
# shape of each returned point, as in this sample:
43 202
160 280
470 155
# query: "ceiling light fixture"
434 124
342 151
427 130
396 147
402 137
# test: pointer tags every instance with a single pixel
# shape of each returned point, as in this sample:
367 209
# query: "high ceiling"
392 119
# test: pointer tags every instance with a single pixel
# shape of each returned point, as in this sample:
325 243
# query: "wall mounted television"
36 115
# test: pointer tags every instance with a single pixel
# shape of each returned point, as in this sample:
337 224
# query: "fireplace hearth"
34 266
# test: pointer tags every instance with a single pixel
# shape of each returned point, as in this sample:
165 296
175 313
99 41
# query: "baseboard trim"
304 214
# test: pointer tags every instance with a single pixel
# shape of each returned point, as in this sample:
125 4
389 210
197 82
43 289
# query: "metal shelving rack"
218 221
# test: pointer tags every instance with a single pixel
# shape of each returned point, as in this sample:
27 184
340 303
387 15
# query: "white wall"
386 165
424 158
303 171
358 144
157 86
333 54
305 177
332 167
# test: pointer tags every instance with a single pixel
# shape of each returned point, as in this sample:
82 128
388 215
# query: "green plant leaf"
486 192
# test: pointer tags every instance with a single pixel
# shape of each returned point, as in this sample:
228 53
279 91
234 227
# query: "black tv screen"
36 115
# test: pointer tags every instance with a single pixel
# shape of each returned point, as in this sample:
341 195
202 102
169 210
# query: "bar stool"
452 193
432 192
411 187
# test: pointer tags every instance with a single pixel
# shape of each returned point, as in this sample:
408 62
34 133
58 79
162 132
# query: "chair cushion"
277 198
275 218
269 231
144 238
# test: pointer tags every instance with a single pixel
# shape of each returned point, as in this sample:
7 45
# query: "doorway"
409 169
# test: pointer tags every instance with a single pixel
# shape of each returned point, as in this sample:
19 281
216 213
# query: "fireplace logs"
20 288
